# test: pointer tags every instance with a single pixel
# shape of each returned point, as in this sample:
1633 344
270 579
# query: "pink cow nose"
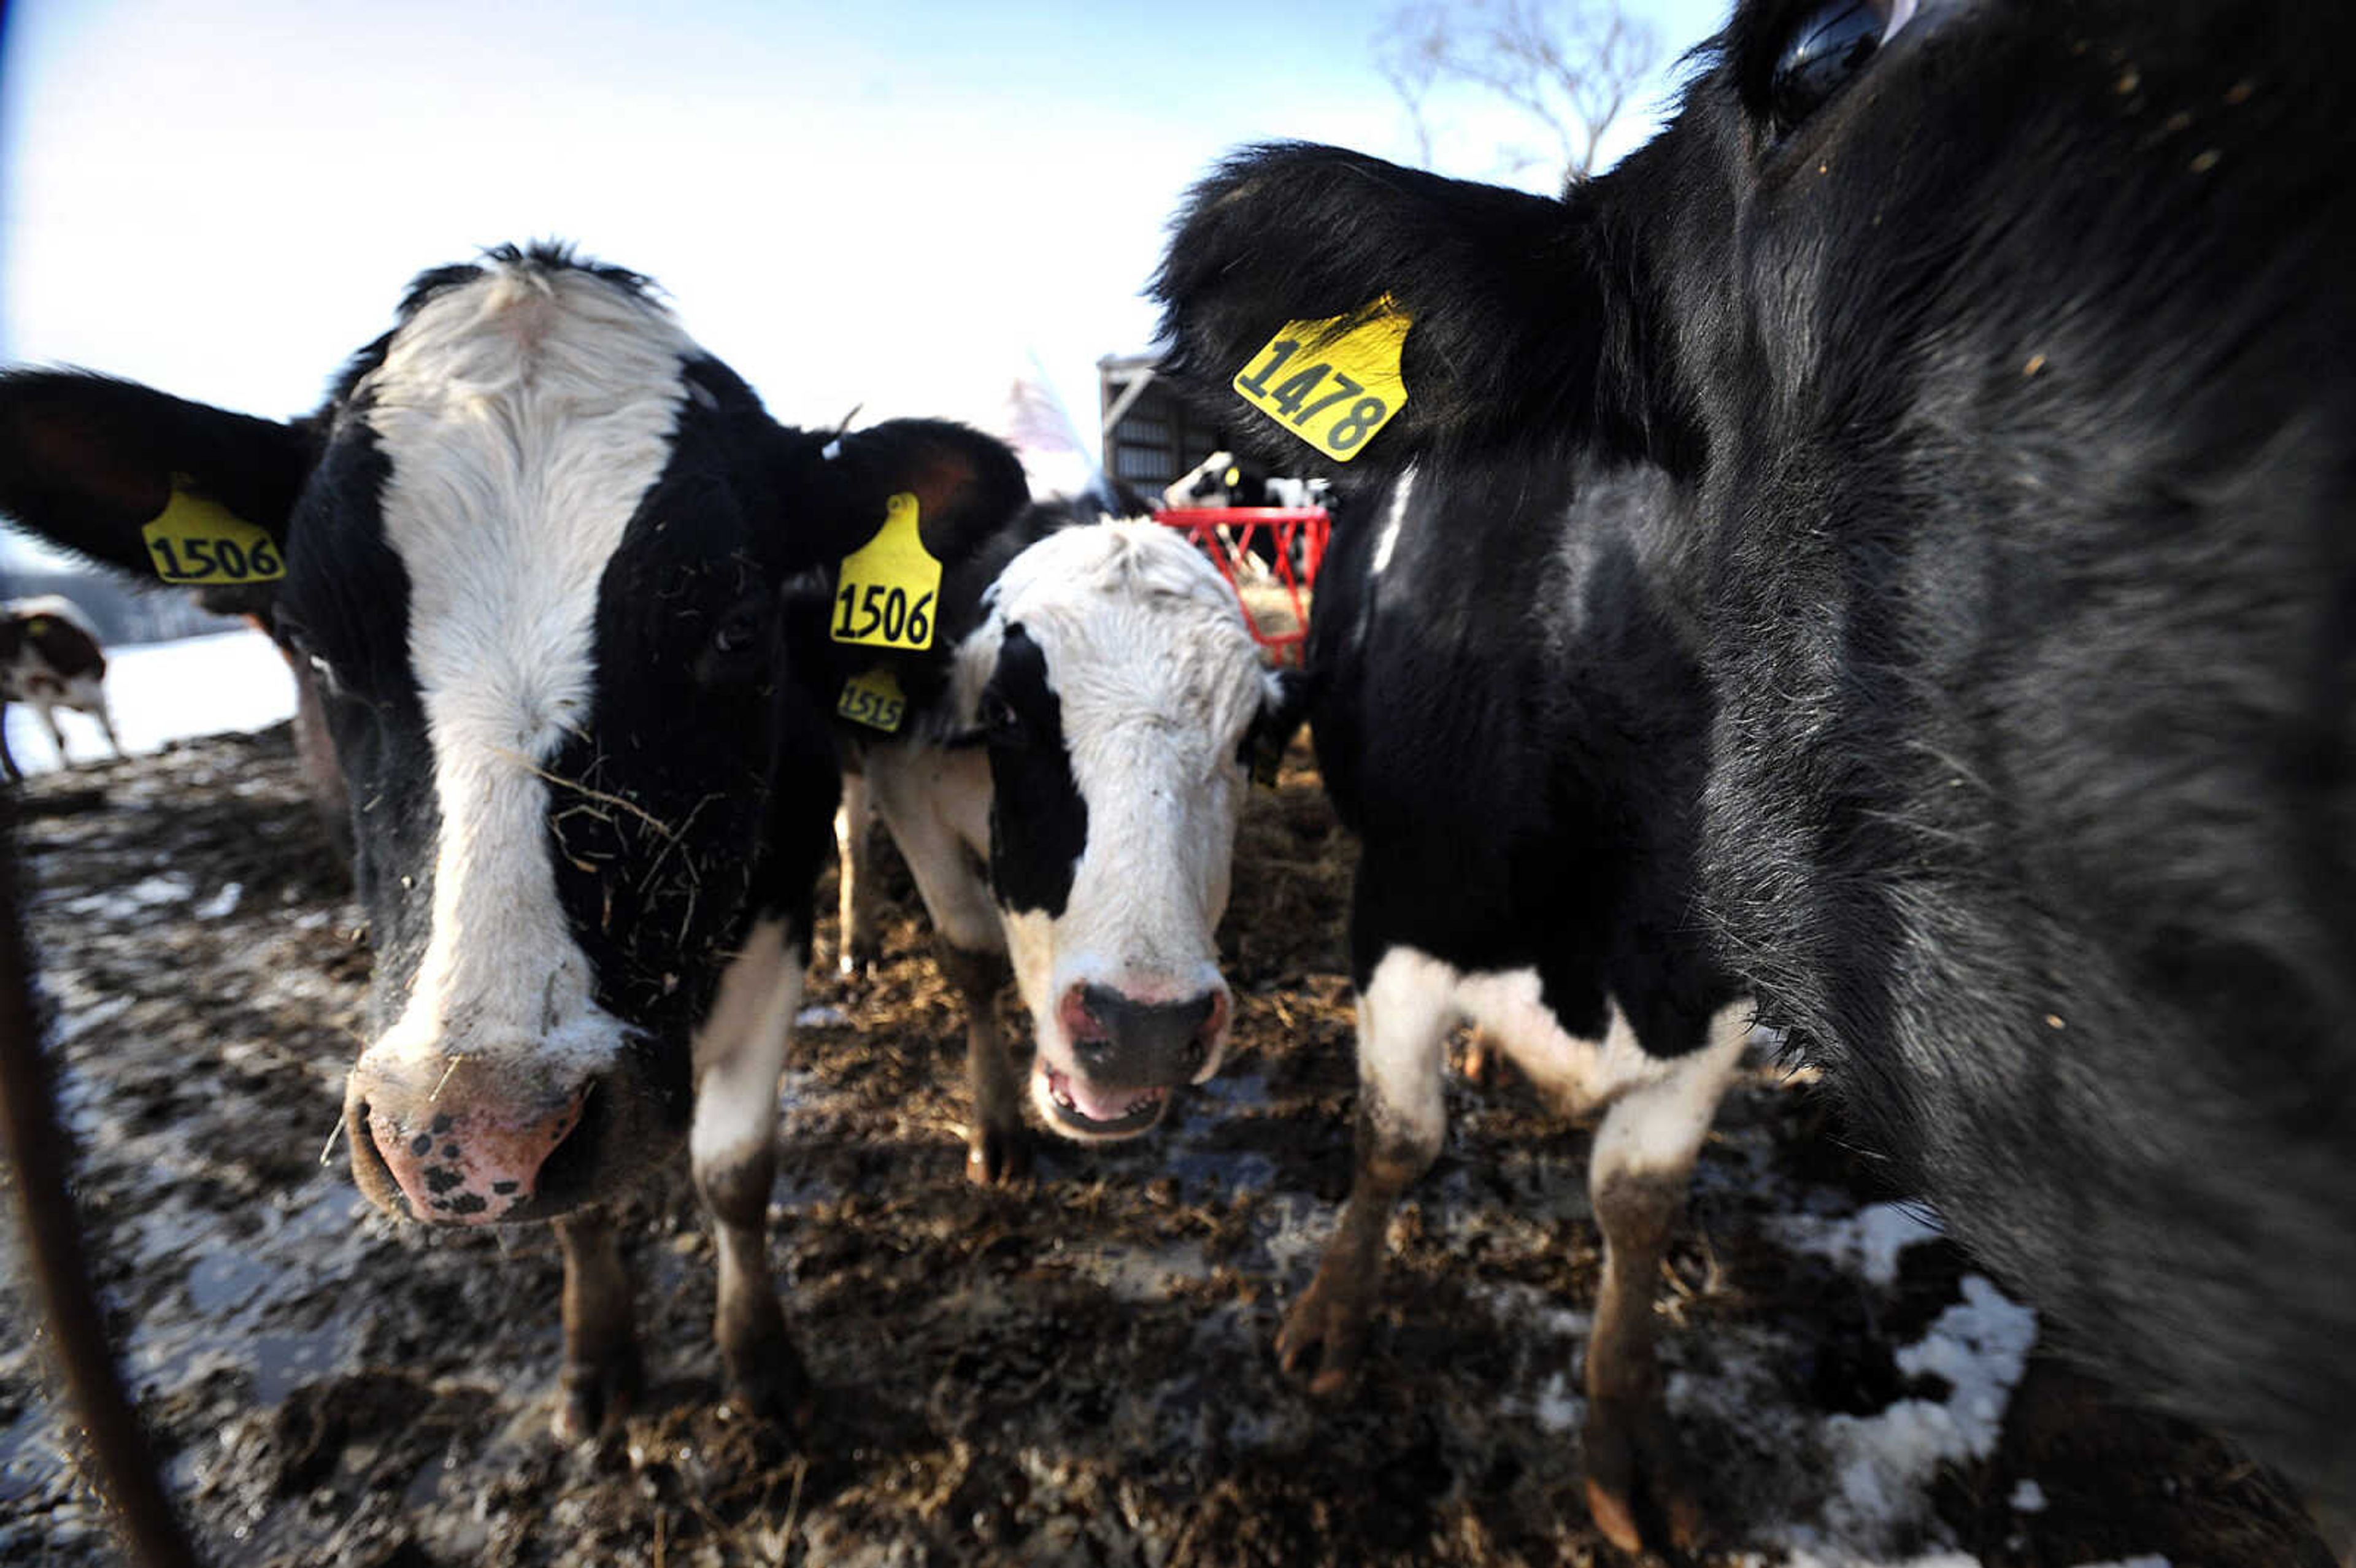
1118 1040
469 1161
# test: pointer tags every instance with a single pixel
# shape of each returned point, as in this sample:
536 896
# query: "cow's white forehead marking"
524 414
1137 629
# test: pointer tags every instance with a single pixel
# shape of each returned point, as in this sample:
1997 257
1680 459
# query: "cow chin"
472 1158
1084 1113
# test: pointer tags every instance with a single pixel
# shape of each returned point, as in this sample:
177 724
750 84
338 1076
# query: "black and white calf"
1510 714
2001 361
535 548
49 658
1068 800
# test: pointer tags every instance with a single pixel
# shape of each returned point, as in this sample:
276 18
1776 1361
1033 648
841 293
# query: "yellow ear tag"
873 699
1233 477
1334 382
884 598
194 541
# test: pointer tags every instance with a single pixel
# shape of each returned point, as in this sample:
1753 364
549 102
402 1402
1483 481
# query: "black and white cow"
1510 714
536 547
49 658
1067 796
2000 359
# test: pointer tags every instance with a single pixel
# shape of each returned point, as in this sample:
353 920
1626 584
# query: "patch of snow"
1884 1463
79 1020
1867 1242
1557 1407
2027 1497
125 903
221 903
822 1016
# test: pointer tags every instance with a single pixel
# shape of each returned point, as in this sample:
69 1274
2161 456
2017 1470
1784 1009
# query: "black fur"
1514 723
2009 398
1038 819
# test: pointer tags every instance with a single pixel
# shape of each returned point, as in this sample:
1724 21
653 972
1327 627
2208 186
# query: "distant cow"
535 548
49 658
1226 479
2000 362
1067 797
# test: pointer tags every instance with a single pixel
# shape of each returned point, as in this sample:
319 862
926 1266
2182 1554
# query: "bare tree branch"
1567 66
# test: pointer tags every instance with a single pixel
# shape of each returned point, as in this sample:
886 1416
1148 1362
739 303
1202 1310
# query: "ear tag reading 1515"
1334 382
194 541
873 699
884 598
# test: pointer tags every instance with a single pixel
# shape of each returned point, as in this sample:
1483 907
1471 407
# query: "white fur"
1158 678
740 1052
1388 541
524 414
1660 1107
936 803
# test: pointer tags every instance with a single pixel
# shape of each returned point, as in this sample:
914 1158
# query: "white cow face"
1117 690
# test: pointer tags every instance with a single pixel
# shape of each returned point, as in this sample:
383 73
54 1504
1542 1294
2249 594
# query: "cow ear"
967 485
1491 282
155 485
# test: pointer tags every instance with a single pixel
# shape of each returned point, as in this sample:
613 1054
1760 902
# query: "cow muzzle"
1127 1056
451 1141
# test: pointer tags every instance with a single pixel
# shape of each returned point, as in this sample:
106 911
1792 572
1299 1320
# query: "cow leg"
855 822
997 1150
9 771
739 1056
49 714
1404 1016
601 1374
919 798
1638 1176
98 711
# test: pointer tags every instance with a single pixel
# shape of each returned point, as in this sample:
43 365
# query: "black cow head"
2005 357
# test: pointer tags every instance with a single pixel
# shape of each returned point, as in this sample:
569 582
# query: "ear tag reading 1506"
194 541
873 699
1334 382
884 597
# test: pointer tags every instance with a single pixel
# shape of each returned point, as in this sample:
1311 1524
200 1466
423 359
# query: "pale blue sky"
890 204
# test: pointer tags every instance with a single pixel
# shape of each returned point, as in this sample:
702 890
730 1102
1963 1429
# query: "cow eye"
1830 46
739 629
1001 725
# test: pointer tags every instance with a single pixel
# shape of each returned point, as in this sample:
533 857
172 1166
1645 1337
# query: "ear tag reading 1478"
884 596
194 541
875 699
1334 382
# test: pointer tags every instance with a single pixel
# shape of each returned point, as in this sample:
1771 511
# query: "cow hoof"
592 1399
778 1391
1635 1484
998 1158
1323 1340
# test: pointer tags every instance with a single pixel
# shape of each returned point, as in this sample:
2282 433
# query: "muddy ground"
1076 1373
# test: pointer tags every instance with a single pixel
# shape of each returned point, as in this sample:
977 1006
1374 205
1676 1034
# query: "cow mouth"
1102 1113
